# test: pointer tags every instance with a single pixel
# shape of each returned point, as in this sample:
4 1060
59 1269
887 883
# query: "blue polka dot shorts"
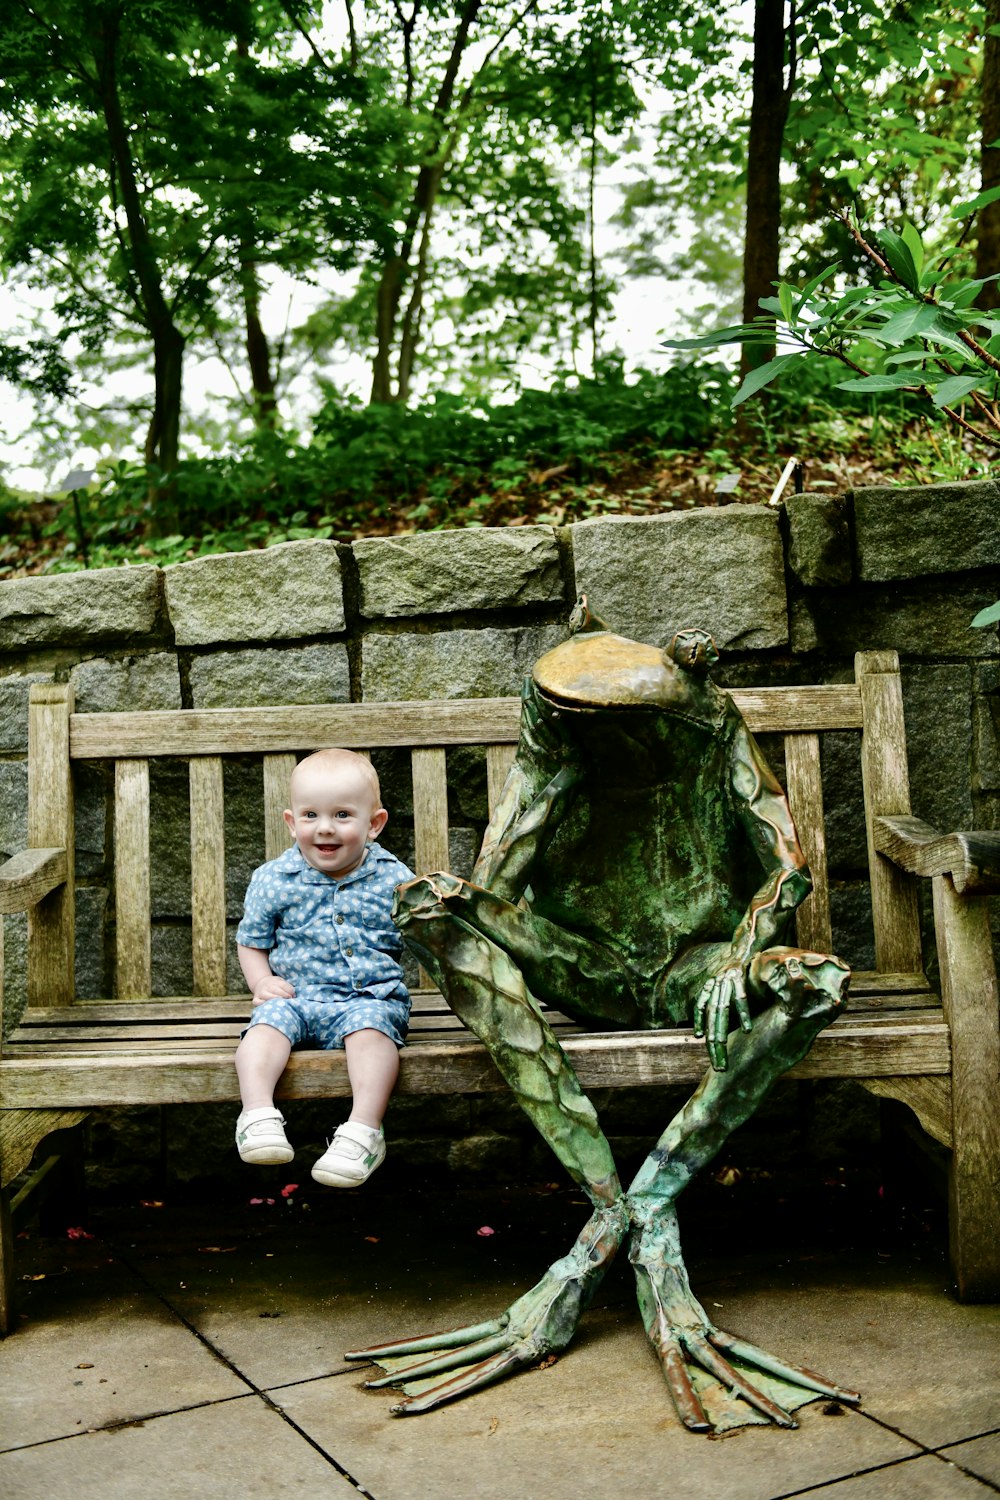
325 1023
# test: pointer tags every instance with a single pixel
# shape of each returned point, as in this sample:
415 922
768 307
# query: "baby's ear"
378 822
289 818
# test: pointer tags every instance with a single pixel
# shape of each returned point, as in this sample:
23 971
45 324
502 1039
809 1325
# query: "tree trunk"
988 243
258 351
162 441
768 114
396 270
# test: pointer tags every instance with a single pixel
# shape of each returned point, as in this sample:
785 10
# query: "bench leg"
972 1009
6 1265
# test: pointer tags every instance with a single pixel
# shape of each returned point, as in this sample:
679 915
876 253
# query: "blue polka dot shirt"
329 938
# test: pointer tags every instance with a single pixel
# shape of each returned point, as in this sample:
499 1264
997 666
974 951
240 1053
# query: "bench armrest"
30 875
971 859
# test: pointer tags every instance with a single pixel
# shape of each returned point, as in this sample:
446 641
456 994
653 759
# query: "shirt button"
340 917
349 952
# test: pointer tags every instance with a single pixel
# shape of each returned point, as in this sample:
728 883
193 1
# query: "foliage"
916 331
610 446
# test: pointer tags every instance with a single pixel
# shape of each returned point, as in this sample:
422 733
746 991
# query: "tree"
155 164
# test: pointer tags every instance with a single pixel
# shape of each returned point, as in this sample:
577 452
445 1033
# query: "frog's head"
597 671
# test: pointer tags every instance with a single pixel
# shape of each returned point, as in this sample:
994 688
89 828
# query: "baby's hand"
271 988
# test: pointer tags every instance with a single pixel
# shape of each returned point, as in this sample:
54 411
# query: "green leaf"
954 388
811 286
910 323
739 333
876 383
785 299
988 616
757 379
973 205
915 246
899 258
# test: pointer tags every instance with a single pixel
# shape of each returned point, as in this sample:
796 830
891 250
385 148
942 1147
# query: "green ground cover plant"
638 446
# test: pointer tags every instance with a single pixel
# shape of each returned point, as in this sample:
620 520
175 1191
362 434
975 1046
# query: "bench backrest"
58 737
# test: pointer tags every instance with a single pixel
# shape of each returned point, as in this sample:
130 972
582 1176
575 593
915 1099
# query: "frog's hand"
717 1381
444 1366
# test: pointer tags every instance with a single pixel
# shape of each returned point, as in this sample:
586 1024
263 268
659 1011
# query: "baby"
321 956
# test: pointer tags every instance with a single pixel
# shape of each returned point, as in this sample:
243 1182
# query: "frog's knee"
803 983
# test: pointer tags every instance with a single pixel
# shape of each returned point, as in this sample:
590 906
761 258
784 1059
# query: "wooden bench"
940 1056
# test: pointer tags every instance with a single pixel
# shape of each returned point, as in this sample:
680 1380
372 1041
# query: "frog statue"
639 871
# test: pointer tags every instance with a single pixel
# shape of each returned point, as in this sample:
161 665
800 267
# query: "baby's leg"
261 1058
373 1067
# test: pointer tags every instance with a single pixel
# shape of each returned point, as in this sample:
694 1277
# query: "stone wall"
789 596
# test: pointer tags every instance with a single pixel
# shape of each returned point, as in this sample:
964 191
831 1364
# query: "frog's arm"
532 804
763 809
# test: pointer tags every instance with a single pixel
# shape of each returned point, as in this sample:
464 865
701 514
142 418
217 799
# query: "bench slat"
50 826
459 1066
460 721
805 797
430 810
134 958
355 726
887 792
869 992
499 759
208 876
277 774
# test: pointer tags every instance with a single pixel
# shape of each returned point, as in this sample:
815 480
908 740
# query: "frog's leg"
478 946
802 992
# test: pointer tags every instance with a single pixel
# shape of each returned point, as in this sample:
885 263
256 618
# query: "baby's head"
336 808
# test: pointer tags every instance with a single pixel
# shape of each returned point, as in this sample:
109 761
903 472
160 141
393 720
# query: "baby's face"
332 817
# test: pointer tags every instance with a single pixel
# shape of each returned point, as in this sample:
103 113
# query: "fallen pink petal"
289 1189
78 1234
485 1232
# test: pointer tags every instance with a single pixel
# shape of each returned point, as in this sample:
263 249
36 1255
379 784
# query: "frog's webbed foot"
444 1366
716 1381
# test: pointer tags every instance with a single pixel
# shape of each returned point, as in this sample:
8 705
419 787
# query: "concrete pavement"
197 1349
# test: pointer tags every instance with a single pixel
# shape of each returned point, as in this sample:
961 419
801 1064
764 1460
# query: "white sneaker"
351 1157
261 1139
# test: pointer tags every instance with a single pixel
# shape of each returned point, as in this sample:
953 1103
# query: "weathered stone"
93 794
986 729
915 620
452 663
258 678
291 590
819 546
244 830
173 972
437 572
169 839
14 693
104 605
720 569
843 802
90 973
13 806
937 705
15 970
851 917
132 683
912 530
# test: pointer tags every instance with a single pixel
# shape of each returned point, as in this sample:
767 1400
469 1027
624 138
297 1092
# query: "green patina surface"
640 870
